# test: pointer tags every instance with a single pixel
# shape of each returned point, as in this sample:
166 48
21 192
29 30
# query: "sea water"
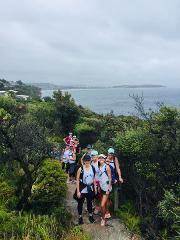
120 101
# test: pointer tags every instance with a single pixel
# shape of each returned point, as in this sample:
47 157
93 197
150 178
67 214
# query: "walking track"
115 229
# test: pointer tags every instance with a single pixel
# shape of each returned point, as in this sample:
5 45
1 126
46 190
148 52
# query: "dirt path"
115 230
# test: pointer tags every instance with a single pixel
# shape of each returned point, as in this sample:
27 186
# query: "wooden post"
117 189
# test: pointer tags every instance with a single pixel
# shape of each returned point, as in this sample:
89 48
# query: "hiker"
68 139
105 185
88 152
75 144
86 187
65 158
55 153
95 164
113 163
72 165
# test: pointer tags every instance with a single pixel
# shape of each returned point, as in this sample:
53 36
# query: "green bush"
169 211
33 227
127 214
7 194
86 134
76 233
49 190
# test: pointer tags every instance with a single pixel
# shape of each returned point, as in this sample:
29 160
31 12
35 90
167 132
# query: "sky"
90 42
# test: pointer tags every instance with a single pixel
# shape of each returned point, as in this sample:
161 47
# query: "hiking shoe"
107 215
97 210
102 222
91 219
81 221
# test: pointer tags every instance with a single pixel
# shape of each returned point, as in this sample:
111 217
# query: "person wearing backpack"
89 150
113 163
105 185
95 164
86 188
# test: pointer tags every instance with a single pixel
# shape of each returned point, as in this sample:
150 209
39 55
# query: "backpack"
113 172
82 185
82 172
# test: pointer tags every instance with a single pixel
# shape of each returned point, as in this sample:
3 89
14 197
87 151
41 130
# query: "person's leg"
89 207
73 172
80 208
103 205
98 200
70 171
63 165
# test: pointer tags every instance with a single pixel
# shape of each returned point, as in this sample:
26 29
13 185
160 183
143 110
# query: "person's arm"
95 186
118 170
64 139
109 178
82 159
74 157
77 182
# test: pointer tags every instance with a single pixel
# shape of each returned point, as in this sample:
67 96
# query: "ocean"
119 100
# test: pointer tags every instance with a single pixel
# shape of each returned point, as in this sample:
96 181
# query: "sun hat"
102 156
94 153
111 150
87 158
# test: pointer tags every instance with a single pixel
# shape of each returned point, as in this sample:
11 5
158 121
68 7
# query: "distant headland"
50 86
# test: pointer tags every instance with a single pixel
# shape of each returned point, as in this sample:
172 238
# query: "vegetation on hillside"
33 187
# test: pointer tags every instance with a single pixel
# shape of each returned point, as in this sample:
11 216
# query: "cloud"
91 42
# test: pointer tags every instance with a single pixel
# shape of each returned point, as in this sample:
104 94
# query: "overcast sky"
92 42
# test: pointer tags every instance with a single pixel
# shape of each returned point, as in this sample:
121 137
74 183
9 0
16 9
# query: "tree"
30 148
66 111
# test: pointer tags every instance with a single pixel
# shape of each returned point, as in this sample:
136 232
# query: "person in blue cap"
113 162
88 152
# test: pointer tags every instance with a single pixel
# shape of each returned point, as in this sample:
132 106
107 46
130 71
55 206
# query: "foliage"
49 190
169 210
127 214
86 134
76 234
27 226
66 111
30 148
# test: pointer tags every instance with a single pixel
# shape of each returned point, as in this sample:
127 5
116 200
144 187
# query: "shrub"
127 214
76 234
86 133
7 194
16 226
169 211
49 189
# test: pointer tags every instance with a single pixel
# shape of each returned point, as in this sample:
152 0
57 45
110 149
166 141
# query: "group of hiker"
96 178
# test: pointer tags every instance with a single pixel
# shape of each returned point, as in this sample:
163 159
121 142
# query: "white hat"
102 156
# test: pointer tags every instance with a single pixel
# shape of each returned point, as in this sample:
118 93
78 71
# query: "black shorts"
102 192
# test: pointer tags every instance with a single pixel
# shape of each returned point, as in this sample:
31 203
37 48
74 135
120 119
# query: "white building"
22 97
2 93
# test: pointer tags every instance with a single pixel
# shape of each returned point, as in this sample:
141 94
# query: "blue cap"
89 146
111 151
94 153
87 158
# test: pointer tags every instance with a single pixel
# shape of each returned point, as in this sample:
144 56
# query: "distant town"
19 90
